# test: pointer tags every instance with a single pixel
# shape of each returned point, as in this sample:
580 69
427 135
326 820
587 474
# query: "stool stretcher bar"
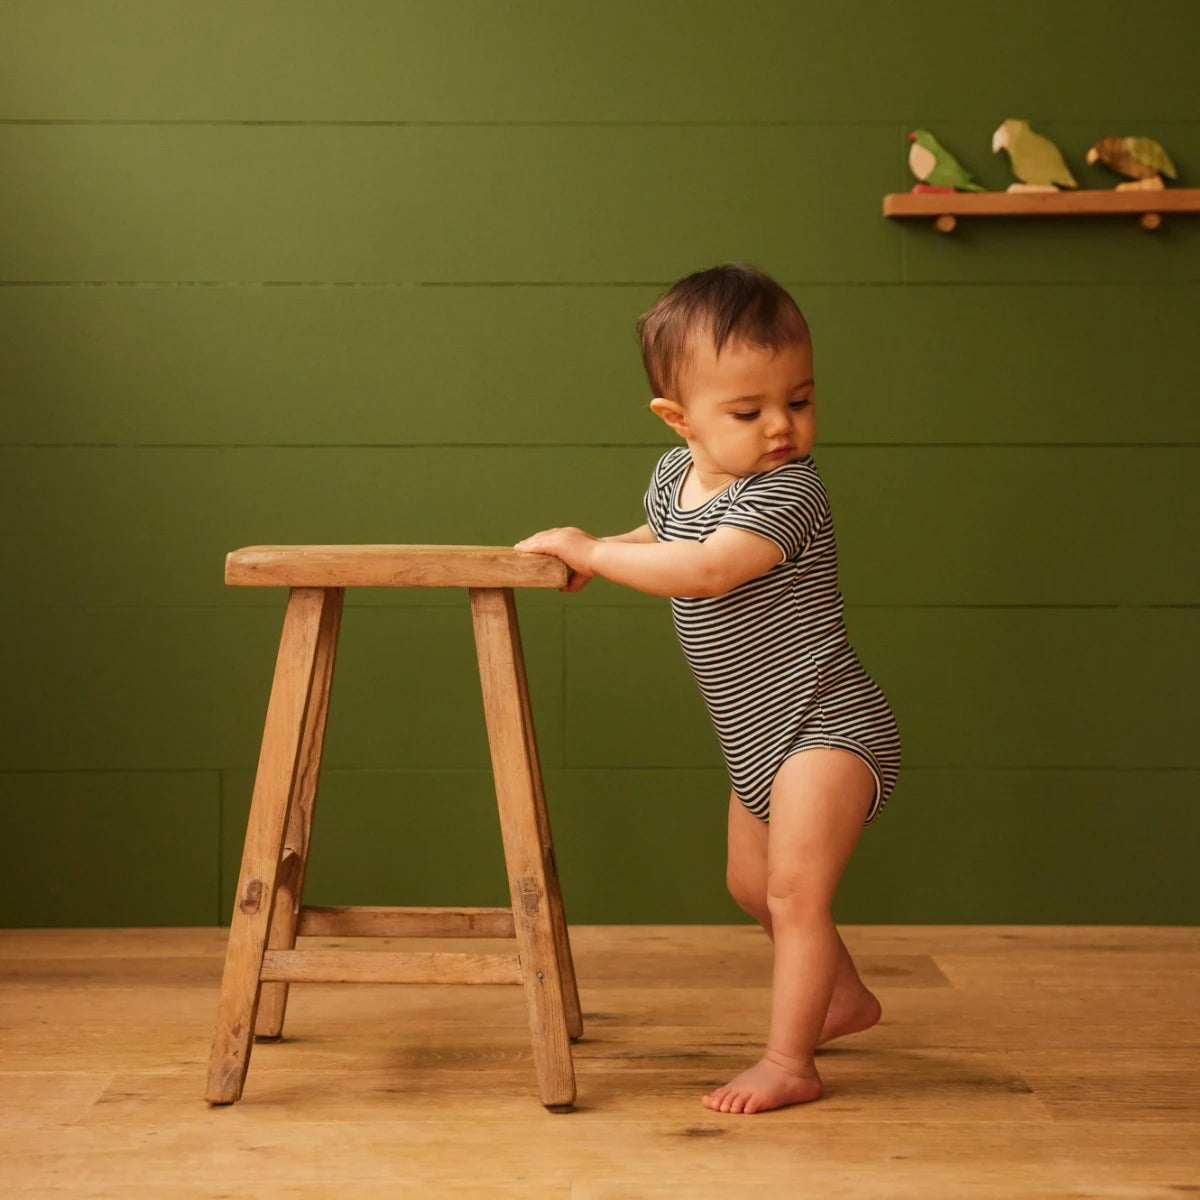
364 921
353 966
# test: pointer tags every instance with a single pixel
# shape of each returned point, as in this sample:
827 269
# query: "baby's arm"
726 560
643 533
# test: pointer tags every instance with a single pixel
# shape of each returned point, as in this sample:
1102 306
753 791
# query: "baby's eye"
799 404
744 416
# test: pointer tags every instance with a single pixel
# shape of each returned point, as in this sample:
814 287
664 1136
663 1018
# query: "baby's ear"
671 412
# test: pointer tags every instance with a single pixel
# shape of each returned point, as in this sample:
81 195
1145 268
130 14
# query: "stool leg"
272 1003
273 785
562 942
498 648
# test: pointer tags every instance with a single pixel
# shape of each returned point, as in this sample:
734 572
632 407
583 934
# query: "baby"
739 535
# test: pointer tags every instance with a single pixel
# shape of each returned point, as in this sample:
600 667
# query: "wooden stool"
261 959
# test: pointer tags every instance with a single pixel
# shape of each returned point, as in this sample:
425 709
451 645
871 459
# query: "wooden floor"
1011 1062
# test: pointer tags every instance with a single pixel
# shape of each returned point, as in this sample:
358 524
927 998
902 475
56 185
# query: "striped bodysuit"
771 657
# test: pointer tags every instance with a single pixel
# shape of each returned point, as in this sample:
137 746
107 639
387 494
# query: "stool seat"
392 566
262 959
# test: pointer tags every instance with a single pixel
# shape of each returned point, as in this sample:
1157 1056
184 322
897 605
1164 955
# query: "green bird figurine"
1035 160
936 169
1139 159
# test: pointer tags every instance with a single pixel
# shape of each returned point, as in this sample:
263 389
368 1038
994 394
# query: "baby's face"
749 409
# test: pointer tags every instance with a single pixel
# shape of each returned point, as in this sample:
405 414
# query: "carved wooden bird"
1036 161
1138 158
936 169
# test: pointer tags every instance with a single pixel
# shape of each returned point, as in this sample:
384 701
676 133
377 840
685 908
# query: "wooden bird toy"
1140 159
936 169
1035 160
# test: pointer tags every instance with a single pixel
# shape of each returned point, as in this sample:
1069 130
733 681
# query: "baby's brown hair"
733 301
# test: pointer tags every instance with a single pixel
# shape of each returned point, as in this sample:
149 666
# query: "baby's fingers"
542 542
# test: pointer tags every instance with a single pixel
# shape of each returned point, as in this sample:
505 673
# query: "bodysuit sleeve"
788 506
655 500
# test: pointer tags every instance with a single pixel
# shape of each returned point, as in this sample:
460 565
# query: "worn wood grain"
352 966
398 566
285 916
554 896
526 854
375 921
278 763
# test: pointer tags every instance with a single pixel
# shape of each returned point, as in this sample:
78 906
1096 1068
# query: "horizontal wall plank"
915 525
176 689
153 526
1015 525
442 826
188 688
620 60
969 687
109 848
559 365
324 365
520 204
613 830
972 845
449 203
1040 847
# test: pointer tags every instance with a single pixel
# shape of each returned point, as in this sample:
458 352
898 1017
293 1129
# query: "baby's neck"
700 484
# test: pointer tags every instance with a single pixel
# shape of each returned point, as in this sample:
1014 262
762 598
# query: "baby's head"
728 355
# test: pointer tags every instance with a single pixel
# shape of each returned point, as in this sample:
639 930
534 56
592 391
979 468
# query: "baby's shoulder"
798 480
671 465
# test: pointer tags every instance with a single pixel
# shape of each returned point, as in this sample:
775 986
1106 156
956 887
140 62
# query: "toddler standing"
739 535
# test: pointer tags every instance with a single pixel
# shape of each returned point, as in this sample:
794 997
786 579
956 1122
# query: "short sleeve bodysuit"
771 657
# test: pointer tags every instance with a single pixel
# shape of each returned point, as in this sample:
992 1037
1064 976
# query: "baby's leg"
818 803
853 1006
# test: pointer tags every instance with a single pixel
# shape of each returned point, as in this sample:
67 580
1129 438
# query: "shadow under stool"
262 958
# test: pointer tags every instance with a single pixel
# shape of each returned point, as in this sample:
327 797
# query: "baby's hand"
573 546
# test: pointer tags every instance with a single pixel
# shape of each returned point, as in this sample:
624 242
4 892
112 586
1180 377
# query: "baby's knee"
794 902
749 895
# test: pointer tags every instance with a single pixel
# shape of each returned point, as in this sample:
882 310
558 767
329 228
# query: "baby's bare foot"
850 1013
767 1084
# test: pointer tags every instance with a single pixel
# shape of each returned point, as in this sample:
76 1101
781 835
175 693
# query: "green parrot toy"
936 169
1139 159
1036 161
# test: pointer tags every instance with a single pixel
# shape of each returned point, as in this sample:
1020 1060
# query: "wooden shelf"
945 207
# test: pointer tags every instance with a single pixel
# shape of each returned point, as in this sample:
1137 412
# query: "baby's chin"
771 462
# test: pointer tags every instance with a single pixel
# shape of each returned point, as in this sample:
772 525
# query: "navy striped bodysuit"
771 657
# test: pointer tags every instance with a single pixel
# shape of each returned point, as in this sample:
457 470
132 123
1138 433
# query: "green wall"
356 272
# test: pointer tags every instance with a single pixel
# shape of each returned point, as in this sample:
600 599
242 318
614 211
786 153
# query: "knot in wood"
531 895
251 899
